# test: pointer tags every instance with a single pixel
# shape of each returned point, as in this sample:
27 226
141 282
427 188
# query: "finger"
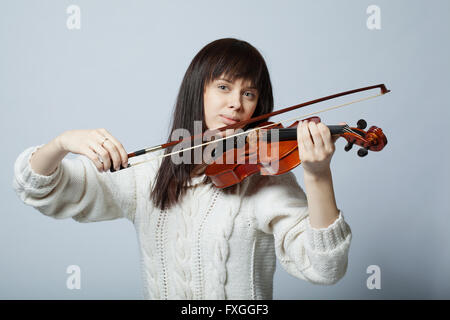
316 135
94 158
113 153
102 153
306 137
325 133
301 147
119 148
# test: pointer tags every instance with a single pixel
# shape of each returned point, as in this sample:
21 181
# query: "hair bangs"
238 63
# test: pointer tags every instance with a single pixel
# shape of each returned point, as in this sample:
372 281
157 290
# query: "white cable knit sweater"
211 245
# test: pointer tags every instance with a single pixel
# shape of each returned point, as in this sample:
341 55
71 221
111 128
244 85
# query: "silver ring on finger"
103 141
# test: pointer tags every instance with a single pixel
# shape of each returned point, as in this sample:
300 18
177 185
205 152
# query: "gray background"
122 71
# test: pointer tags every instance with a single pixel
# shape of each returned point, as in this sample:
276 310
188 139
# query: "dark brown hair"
233 58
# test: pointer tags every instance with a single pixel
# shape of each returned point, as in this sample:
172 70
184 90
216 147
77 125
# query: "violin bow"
382 87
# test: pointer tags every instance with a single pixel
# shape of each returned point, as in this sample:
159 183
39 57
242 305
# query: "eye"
222 86
251 94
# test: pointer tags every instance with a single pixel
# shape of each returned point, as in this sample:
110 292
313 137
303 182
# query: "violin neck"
284 134
291 133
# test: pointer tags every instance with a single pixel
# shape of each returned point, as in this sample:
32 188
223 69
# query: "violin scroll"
372 139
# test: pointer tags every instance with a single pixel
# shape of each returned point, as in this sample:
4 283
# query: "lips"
228 120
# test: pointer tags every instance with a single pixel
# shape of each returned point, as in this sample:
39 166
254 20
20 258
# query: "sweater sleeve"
319 256
76 190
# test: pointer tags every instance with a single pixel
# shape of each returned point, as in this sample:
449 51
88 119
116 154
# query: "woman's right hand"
89 143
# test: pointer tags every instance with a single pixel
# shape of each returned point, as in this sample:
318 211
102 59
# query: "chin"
215 127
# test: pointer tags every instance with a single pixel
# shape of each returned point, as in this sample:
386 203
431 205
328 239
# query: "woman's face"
228 102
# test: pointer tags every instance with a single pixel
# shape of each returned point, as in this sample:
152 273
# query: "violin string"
349 130
258 128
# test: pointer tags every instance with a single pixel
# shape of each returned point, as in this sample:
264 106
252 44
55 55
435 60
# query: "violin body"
247 160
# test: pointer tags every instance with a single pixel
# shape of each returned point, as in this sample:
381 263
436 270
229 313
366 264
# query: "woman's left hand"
315 147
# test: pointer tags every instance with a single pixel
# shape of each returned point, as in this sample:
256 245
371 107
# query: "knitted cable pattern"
148 230
182 248
161 237
148 268
215 289
201 283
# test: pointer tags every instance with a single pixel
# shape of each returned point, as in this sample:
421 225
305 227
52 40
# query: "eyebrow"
229 81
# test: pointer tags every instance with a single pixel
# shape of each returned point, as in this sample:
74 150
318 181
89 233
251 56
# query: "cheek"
250 111
211 111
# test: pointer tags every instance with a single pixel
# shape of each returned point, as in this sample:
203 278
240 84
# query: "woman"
198 241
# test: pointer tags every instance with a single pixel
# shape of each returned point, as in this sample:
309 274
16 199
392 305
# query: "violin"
282 155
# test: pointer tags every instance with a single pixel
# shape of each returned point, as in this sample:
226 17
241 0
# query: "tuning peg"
363 152
348 146
361 124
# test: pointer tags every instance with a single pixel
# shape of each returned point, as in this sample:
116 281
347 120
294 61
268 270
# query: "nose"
235 101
